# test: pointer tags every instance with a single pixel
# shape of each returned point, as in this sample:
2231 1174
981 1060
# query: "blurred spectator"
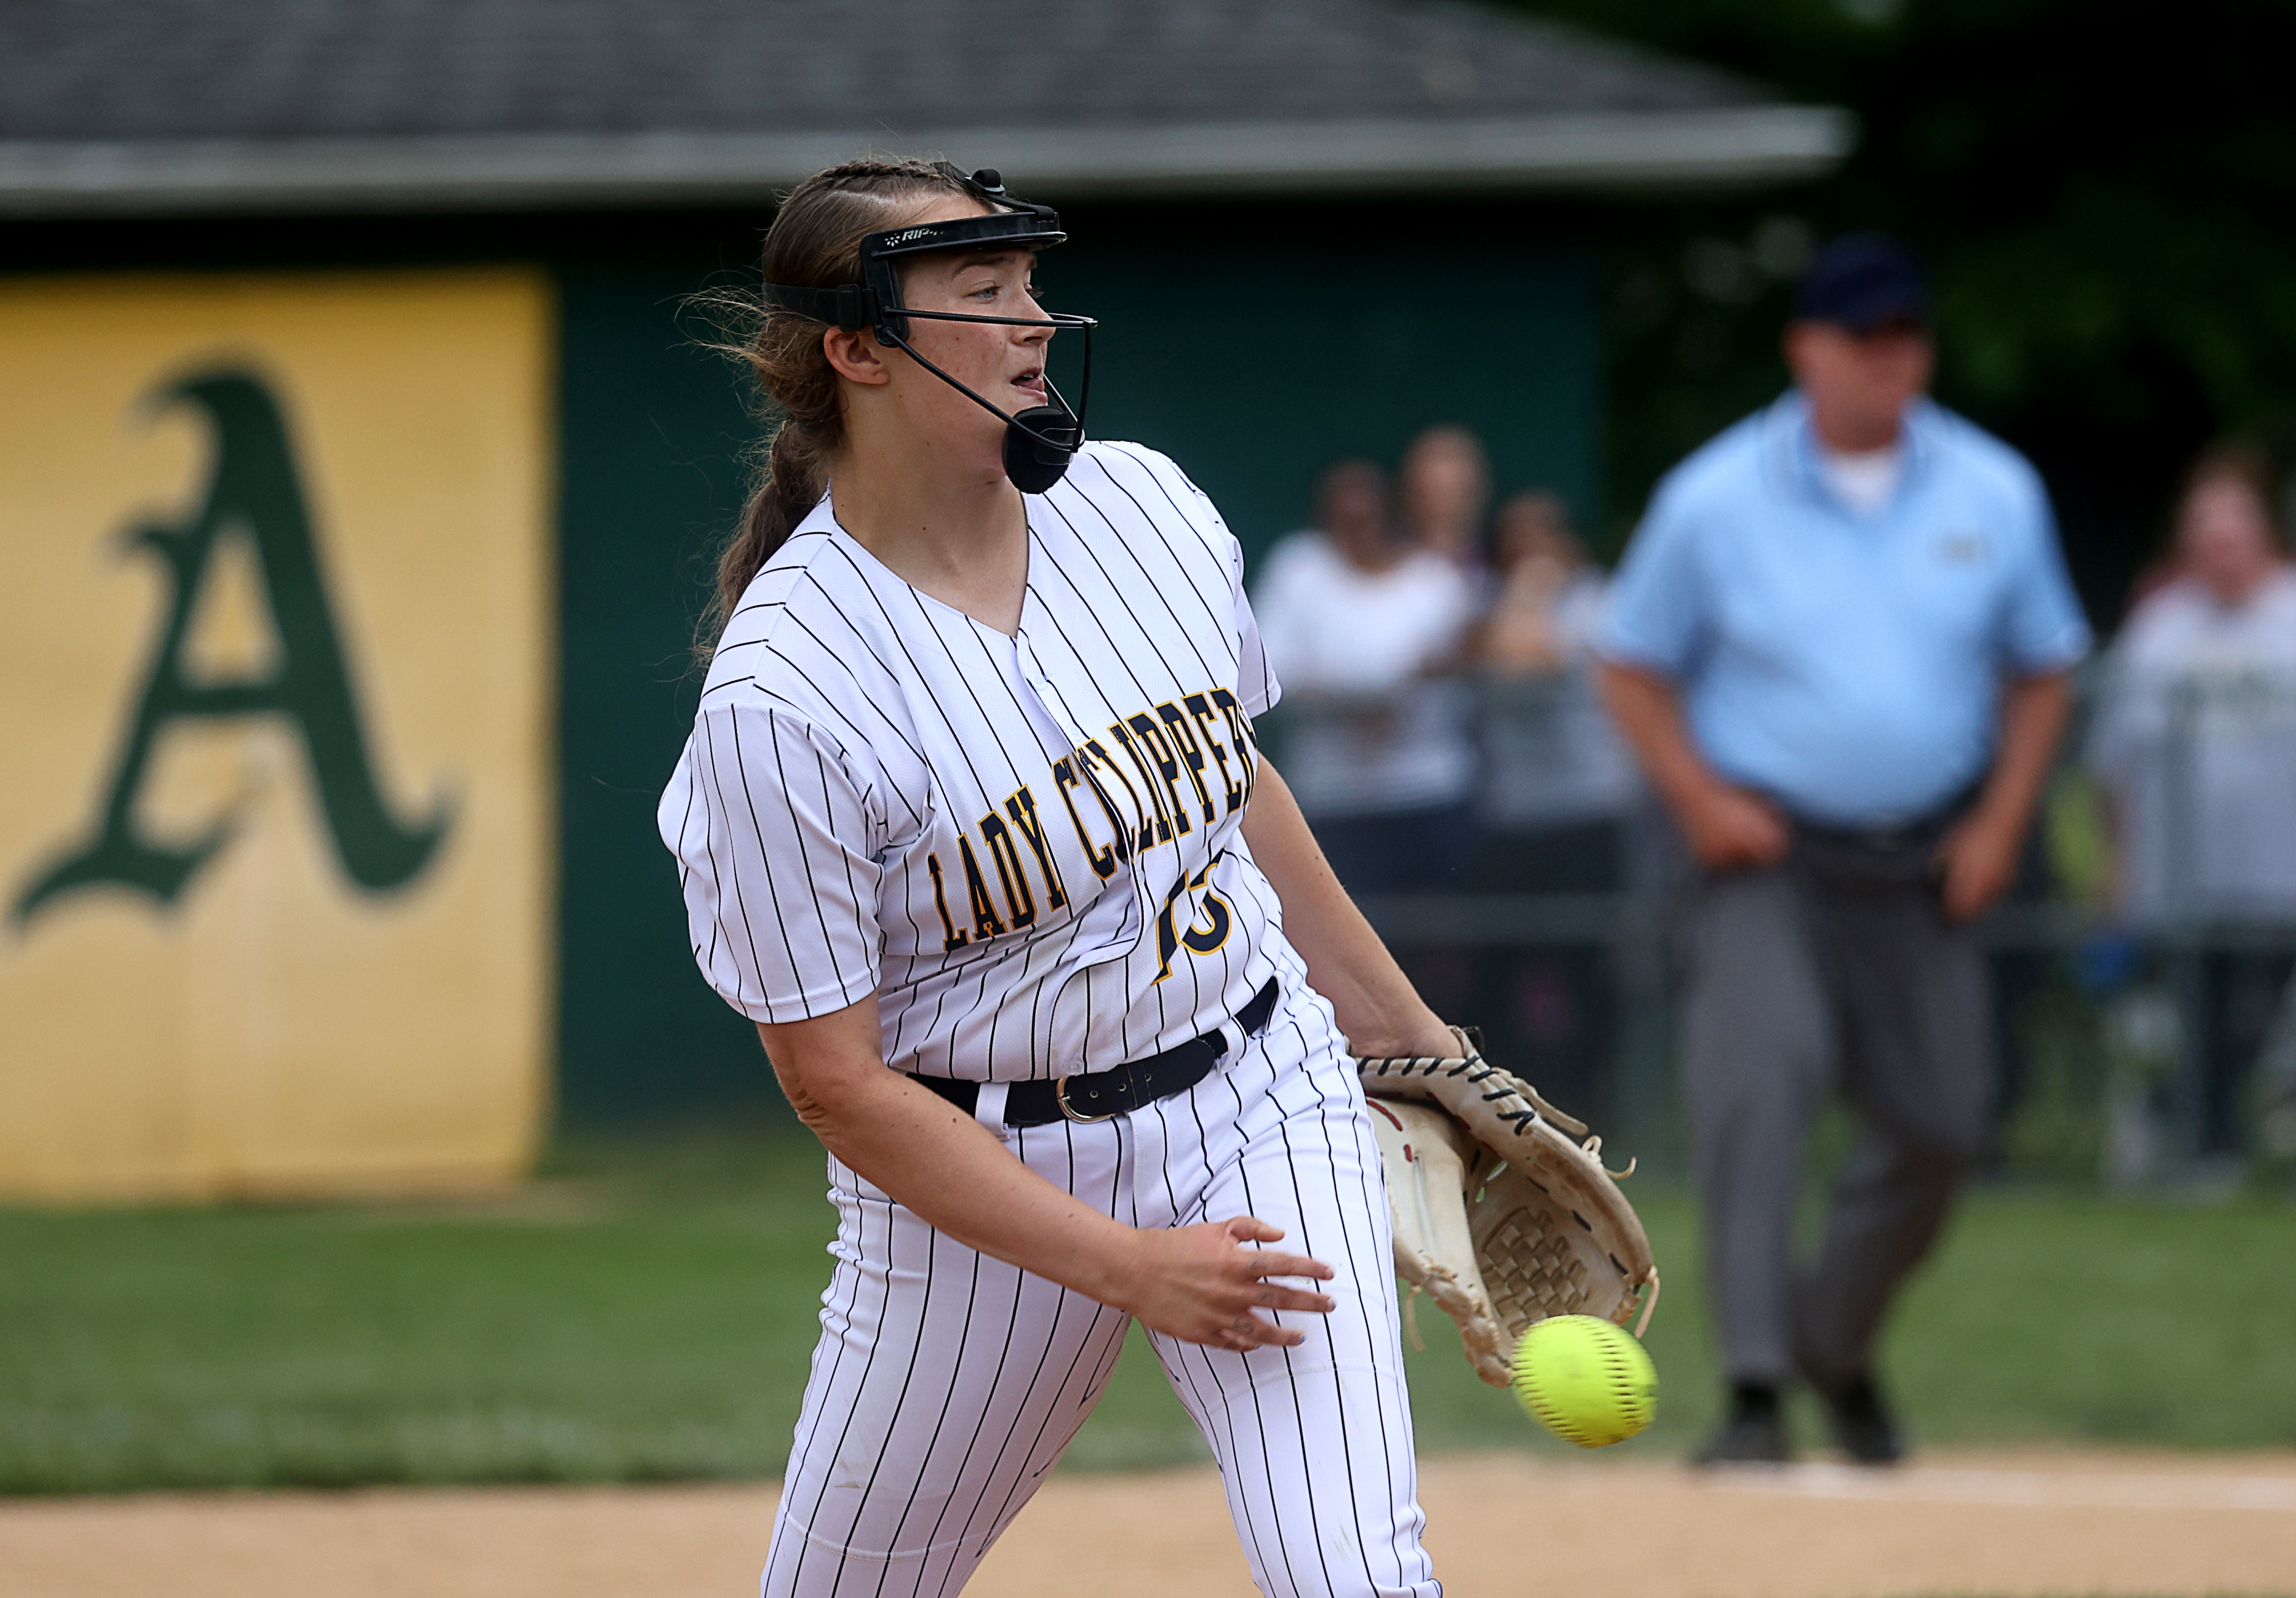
2194 739
1550 592
1556 788
1840 644
1365 632
1553 767
2195 729
1445 483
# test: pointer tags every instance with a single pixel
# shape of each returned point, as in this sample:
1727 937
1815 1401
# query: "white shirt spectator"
2195 735
1552 756
1386 736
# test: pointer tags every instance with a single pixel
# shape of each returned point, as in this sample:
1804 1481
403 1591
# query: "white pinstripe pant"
946 1383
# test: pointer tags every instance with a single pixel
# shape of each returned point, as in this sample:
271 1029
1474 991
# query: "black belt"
1104 1095
1867 860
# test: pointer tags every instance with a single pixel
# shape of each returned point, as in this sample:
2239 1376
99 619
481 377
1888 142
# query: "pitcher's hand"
1203 1284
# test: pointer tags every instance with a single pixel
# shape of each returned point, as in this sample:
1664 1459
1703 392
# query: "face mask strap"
1069 421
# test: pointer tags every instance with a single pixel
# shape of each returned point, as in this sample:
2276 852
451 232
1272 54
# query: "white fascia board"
1618 151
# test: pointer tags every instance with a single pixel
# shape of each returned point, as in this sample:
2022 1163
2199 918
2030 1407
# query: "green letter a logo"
254 492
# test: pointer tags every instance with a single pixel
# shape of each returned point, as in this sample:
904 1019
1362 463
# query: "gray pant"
1795 985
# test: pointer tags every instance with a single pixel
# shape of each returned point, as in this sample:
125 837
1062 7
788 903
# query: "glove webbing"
1478 1070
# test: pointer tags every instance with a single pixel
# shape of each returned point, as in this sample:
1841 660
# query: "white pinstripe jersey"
1030 848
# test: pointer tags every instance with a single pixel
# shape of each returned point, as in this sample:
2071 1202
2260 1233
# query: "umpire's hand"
1976 864
1730 829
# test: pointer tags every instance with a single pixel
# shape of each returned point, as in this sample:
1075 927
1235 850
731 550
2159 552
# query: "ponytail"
796 476
815 241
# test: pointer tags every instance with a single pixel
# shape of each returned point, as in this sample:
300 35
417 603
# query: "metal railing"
2175 947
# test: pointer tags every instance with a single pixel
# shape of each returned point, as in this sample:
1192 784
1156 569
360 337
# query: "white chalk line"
2015 1488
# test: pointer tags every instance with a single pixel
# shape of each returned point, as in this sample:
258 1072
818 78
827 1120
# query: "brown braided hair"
815 241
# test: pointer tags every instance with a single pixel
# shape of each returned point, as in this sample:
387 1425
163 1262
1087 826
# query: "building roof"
129 106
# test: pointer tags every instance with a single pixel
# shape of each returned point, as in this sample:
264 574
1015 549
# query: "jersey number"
1205 940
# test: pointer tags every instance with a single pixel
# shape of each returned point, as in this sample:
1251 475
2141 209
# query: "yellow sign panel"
274 661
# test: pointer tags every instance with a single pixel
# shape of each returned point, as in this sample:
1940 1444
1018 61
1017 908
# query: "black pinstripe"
855 729
1314 1444
914 721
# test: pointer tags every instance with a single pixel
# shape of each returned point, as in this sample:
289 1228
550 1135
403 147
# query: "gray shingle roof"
121 104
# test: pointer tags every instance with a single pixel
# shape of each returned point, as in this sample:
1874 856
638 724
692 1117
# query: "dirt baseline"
2014 1525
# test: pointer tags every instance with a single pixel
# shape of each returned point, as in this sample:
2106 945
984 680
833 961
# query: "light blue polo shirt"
1849 665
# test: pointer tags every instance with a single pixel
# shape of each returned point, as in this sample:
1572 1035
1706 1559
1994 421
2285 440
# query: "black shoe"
1863 1426
1755 1434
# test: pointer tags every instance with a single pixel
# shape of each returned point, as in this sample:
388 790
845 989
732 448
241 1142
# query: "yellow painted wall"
278 1028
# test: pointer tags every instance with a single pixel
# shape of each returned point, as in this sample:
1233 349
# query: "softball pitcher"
973 825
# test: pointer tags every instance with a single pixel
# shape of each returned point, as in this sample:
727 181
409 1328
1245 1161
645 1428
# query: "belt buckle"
1061 1098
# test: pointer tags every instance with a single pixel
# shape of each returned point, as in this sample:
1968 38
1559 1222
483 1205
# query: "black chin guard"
1039 441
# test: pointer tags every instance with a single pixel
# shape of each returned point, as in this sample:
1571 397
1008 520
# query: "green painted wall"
1254 365
650 479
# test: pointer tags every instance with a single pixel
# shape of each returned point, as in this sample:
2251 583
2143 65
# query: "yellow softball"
1586 1380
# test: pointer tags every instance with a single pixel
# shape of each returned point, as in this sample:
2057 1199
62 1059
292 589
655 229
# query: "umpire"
1839 645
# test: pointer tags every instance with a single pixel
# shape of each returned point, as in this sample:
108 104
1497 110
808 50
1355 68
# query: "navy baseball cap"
1862 281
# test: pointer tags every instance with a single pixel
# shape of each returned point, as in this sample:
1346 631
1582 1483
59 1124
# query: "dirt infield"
2052 1523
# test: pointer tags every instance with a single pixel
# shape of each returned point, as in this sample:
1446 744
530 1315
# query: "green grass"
647 1315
